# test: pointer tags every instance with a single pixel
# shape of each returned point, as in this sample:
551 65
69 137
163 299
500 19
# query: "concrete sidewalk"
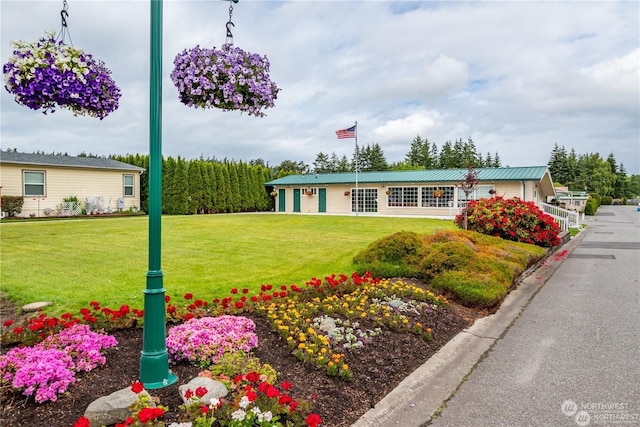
518 367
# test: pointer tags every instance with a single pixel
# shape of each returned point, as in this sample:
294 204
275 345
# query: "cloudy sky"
516 77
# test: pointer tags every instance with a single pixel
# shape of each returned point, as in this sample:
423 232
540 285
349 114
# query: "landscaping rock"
35 306
215 389
113 408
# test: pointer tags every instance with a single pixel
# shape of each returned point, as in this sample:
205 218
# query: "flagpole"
357 195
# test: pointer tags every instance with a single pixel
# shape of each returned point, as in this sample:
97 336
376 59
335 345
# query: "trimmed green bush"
591 206
393 256
12 204
473 269
446 256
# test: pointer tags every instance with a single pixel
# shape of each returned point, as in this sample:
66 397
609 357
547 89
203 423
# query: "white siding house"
44 181
429 193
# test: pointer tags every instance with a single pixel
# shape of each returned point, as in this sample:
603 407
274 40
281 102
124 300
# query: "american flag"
347 133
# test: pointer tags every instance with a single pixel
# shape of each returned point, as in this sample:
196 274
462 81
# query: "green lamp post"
154 360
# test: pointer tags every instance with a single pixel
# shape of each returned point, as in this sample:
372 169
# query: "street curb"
420 396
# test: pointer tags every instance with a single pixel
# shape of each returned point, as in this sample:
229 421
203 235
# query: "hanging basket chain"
64 31
229 39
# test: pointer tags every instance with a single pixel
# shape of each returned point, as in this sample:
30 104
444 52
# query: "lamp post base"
151 364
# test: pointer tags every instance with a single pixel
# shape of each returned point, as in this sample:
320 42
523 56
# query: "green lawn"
71 263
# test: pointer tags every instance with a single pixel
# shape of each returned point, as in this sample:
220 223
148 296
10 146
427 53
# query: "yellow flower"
345 367
301 345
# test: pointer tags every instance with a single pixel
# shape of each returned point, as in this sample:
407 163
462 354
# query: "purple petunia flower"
49 74
228 78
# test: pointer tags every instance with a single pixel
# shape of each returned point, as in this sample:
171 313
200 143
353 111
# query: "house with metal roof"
432 193
101 185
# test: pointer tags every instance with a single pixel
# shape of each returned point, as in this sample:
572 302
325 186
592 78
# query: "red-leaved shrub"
511 219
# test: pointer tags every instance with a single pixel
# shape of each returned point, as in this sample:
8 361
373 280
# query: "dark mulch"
377 369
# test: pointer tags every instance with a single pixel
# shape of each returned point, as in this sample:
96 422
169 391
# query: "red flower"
204 409
237 379
239 304
252 395
188 394
234 290
286 385
313 420
36 326
245 291
126 422
188 296
188 316
7 323
148 414
271 391
137 387
17 330
82 422
293 406
201 391
285 399
253 377
167 298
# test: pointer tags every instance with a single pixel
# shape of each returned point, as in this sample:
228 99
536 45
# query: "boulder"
215 389
114 408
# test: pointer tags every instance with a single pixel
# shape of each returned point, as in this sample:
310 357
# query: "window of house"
364 200
34 183
479 192
437 196
128 185
402 196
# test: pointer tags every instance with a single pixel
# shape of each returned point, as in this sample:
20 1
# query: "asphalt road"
572 357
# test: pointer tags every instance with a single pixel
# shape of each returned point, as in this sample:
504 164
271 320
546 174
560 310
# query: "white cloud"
517 77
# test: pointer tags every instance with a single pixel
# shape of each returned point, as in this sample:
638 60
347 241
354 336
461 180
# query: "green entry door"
296 200
322 200
282 201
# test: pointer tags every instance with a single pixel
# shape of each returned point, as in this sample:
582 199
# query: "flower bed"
362 308
49 74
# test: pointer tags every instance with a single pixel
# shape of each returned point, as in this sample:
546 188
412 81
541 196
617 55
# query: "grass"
71 263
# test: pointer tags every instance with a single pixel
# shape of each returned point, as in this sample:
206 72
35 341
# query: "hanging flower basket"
346 193
438 193
49 74
228 78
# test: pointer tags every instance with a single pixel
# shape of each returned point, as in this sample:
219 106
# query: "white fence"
565 218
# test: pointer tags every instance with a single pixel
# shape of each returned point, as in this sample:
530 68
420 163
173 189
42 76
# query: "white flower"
268 416
244 402
238 415
215 402
180 425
